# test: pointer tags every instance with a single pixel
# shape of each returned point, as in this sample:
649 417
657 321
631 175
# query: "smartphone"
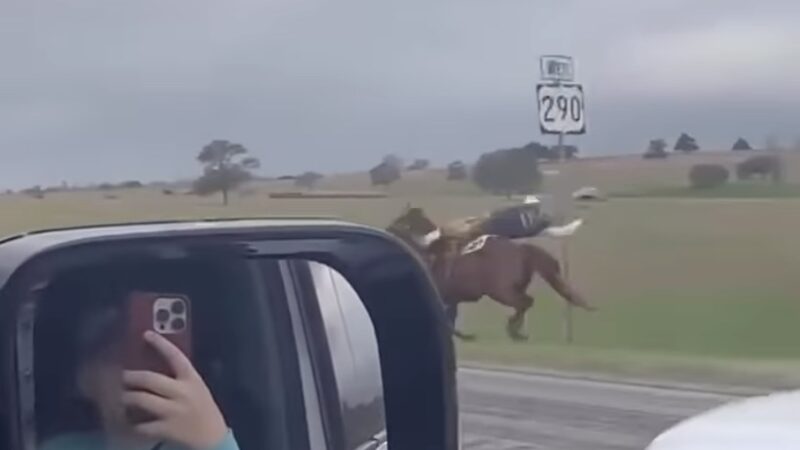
169 315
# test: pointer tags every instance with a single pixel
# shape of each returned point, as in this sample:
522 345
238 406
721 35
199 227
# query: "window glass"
84 341
354 354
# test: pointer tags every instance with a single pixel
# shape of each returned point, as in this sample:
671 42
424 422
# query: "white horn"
564 230
429 238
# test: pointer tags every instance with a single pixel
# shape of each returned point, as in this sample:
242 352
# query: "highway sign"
561 108
557 67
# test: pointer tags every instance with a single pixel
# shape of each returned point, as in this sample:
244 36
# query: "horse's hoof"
466 337
518 337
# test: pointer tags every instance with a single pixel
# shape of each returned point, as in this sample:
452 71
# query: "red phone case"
144 311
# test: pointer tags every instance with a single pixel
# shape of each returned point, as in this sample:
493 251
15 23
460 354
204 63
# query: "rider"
519 221
513 222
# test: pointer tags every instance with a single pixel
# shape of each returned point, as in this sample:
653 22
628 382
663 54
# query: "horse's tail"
540 261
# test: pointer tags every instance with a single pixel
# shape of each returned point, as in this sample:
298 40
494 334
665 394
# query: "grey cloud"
334 85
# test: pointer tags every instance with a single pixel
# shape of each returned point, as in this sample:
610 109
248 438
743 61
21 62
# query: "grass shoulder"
764 374
730 190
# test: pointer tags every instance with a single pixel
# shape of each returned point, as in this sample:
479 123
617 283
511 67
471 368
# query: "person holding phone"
181 412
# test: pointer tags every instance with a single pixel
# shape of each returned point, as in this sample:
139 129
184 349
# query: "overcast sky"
95 90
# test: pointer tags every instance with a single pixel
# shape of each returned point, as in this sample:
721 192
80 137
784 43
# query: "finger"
153 382
180 364
153 404
155 430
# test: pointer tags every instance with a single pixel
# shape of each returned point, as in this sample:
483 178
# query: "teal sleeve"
74 441
93 441
227 443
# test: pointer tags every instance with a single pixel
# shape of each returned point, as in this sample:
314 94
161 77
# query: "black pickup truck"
311 334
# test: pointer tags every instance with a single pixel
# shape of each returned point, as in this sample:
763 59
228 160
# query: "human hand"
184 409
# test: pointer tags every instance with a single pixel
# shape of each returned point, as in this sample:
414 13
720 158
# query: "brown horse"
500 269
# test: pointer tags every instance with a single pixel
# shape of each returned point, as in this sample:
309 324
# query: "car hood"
766 422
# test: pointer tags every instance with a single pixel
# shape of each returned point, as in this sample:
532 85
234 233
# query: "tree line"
657 148
760 167
227 165
504 171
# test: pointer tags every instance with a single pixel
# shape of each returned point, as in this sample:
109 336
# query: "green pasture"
737 190
683 286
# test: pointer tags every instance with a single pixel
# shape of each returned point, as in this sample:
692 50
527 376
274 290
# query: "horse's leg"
452 315
560 285
550 269
517 320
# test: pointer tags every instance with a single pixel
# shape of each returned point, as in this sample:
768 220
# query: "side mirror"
220 265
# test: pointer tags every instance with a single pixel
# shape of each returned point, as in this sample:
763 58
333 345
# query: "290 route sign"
561 109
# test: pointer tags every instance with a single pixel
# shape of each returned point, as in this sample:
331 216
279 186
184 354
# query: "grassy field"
686 287
756 189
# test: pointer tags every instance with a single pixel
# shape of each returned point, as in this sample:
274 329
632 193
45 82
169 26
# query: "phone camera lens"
178 324
162 315
178 307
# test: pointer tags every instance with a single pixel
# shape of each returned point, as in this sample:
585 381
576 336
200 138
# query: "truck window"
79 321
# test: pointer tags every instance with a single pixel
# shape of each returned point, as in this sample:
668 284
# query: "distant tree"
570 151
105 186
394 161
36 192
132 184
542 152
225 168
287 177
308 180
686 144
384 174
706 176
511 171
657 149
762 166
741 144
457 170
419 164
556 153
552 153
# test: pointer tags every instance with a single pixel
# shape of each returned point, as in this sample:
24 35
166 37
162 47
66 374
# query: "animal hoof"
465 336
520 337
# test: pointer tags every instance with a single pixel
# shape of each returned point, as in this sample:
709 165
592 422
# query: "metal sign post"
561 111
569 336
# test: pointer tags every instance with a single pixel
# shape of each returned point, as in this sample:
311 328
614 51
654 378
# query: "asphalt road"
504 411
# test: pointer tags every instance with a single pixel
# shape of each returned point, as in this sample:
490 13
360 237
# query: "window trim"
275 302
322 365
314 418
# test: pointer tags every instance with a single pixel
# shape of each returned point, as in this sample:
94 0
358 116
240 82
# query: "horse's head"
413 221
415 225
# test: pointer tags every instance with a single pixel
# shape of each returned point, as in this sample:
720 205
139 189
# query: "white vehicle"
756 423
588 193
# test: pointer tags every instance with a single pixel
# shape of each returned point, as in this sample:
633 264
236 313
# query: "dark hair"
98 329
79 317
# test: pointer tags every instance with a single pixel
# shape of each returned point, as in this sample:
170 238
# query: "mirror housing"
416 351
